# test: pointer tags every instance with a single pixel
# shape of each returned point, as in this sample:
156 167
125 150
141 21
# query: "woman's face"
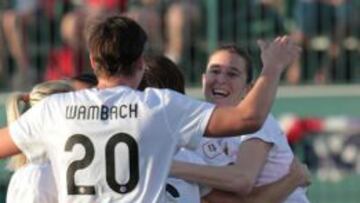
224 82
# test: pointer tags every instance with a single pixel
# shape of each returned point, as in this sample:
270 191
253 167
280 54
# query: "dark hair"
232 48
87 78
161 72
115 43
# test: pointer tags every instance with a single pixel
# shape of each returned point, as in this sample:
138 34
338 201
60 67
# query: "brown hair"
115 43
161 72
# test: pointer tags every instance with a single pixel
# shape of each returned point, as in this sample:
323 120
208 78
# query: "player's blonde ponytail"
16 104
19 102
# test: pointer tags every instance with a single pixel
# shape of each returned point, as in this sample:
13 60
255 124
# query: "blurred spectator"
246 21
71 59
148 13
17 21
270 13
14 24
322 26
179 21
182 20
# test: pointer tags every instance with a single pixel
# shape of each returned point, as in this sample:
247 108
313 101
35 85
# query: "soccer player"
260 158
32 182
115 144
160 72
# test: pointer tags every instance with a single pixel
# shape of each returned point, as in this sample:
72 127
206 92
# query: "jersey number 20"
130 142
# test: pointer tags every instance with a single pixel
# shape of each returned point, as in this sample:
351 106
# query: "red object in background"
63 63
108 4
303 126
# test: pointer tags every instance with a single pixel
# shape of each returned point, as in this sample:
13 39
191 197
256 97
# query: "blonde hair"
19 102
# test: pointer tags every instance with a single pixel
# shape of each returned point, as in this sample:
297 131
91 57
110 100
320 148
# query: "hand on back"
300 172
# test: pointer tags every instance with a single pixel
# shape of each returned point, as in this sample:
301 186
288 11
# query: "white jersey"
111 145
214 151
182 191
278 161
33 183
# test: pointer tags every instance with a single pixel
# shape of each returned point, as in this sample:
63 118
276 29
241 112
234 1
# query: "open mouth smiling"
220 93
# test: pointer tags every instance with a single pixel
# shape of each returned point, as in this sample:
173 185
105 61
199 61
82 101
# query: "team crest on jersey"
211 149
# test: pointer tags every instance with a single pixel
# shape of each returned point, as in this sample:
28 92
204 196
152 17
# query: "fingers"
279 54
279 41
262 44
306 170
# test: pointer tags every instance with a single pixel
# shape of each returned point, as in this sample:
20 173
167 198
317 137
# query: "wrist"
271 72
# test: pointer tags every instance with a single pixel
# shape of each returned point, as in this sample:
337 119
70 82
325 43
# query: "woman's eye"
214 71
232 75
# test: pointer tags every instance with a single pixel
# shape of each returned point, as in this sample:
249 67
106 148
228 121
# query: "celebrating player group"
136 138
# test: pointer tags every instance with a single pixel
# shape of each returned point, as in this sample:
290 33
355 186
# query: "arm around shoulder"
7 145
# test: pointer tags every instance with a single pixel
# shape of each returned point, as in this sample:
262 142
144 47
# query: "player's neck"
110 82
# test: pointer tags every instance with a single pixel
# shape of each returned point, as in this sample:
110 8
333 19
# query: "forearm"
7 145
225 178
257 104
275 192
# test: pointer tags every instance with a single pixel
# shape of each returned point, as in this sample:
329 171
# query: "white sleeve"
187 117
270 132
26 133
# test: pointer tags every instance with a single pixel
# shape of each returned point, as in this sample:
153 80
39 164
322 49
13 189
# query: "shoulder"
270 131
271 125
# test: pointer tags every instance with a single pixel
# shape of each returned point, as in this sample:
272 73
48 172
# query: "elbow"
256 124
242 186
255 120
252 124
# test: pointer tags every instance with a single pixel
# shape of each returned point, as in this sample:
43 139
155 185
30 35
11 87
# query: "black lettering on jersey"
113 113
211 148
76 165
133 109
73 188
133 163
101 112
71 112
121 111
104 112
172 190
93 112
82 113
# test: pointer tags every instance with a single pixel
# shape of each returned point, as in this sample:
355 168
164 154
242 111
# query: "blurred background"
318 101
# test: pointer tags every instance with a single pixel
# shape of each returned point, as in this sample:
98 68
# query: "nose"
221 78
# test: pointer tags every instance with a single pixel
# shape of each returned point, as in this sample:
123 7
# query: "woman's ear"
203 78
140 64
92 61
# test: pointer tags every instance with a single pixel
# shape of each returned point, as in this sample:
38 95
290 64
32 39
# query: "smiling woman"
227 76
